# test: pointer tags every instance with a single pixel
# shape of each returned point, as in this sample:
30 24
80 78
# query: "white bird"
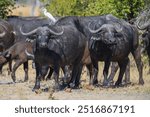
49 15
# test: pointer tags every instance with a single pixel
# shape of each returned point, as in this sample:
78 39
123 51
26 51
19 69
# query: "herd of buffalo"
71 43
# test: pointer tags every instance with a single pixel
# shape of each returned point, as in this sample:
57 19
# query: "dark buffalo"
57 46
7 37
81 23
114 41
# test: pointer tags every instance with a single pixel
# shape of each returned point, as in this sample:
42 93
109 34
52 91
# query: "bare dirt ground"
23 90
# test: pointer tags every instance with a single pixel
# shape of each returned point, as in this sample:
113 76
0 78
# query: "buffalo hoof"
73 86
95 82
105 83
36 88
14 80
118 84
126 82
141 82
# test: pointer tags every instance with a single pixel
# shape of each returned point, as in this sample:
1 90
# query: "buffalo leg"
9 67
25 66
56 77
73 76
38 76
15 67
114 68
44 72
127 74
105 72
1 67
137 56
67 73
122 65
95 72
77 80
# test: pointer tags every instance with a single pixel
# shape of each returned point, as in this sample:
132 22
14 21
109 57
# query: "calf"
17 52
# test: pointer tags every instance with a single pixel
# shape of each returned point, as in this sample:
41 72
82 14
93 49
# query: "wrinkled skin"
111 43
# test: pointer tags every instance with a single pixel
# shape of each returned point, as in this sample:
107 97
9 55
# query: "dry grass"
23 90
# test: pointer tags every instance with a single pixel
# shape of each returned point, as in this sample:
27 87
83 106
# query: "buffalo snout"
43 45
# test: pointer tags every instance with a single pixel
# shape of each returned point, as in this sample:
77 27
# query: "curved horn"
28 54
29 33
56 33
93 31
2 34
144 26
118 27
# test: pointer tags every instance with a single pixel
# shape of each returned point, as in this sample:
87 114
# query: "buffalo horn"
56 33
93 31
143 27
118 27
29 33
2 34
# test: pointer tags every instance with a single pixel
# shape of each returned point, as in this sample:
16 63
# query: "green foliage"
126 9
6 7
100 7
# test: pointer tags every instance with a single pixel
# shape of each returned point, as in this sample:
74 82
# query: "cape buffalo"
81 23
57 46
114 41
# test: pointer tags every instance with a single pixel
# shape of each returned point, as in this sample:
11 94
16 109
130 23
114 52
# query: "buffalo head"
107 33
43 34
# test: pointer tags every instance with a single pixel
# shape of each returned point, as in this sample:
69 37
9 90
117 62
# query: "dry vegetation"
23 90
25 11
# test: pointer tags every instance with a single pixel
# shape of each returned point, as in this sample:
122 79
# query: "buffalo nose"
43 45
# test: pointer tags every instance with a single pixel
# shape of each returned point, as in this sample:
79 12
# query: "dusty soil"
23 90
